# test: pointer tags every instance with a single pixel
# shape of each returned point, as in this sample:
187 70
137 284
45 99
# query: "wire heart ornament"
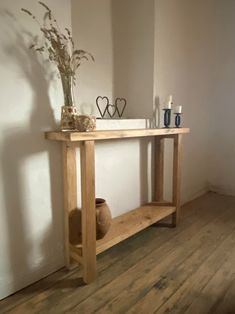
111 109
120 104
102 104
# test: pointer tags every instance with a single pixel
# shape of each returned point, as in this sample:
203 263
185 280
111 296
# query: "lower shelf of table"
130 223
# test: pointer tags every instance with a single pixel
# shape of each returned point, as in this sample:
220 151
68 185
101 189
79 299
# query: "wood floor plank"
31 291
215 288
164 296
171 277
191 288
58 297
180 300
43 294
124 290
62 301
170 270
226 304
44 288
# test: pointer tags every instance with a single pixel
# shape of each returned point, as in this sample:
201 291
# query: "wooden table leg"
70 192
176 177
159 169
88 210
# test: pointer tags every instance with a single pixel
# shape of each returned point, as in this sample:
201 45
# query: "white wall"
30 182
120 35
183 68
222 153
133 49
195 61
92 31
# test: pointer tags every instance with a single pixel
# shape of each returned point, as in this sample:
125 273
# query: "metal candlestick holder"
167 117
178 119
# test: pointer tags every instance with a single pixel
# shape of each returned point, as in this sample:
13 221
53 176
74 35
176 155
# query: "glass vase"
67 84
69 110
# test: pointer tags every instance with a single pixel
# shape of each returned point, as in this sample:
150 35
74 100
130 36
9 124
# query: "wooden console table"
127 224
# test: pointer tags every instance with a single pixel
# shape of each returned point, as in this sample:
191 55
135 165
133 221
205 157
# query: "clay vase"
103 218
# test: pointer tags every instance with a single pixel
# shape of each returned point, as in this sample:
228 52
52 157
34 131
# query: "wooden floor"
189 269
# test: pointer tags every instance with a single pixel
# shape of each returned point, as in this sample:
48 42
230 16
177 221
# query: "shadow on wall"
19 144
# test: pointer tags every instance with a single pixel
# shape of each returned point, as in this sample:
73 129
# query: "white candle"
170 99
169 103
178 109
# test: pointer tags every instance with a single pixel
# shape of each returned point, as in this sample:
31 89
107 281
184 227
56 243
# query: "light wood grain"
176 177
112 134
70 191
76 253
123 226
132 222
87 151
162 203
159 168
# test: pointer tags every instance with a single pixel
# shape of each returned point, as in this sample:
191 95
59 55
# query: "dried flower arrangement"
60 50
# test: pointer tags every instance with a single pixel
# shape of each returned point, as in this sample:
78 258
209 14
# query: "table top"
97 135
